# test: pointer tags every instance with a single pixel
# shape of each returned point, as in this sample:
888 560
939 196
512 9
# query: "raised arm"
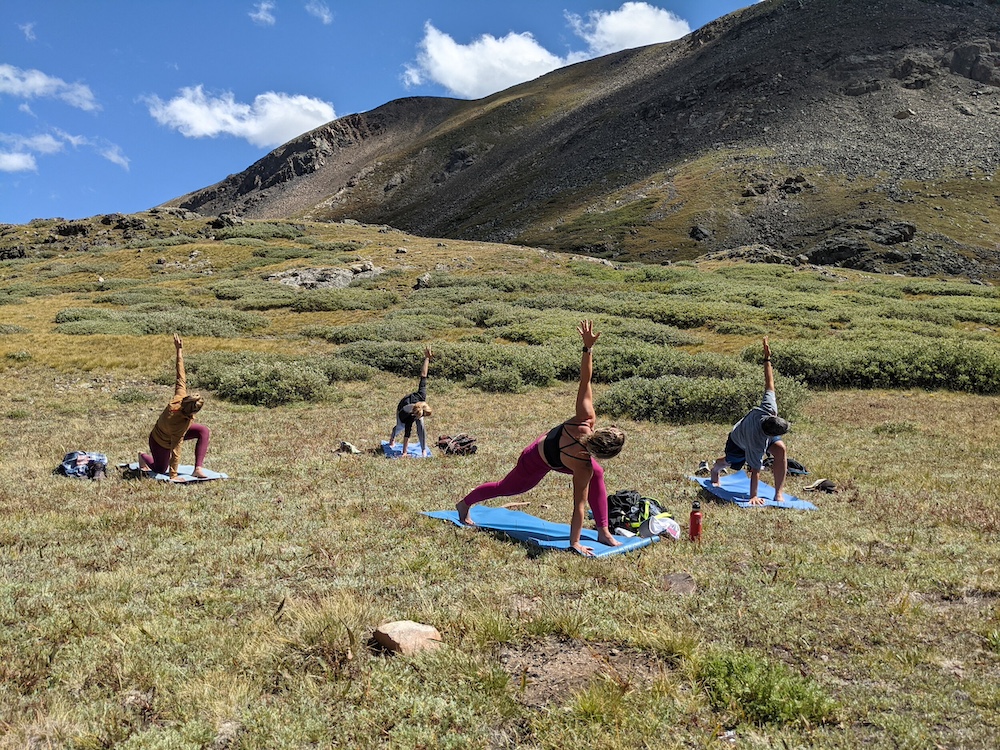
427 361
768 373
585 395
180 386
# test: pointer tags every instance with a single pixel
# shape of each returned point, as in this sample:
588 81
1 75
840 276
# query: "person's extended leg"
779 467
395 431
158 458
526 474
201 434
720 464
597 497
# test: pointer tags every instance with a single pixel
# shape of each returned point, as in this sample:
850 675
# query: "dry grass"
138 614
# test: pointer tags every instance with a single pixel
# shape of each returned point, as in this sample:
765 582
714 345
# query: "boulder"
407 637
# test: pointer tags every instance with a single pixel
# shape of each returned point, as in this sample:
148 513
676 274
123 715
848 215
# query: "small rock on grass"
679 583
407 637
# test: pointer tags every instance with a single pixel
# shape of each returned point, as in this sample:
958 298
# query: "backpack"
83 465
794 467
461 444
628 509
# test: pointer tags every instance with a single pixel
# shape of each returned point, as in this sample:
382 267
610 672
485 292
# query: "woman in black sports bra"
572 447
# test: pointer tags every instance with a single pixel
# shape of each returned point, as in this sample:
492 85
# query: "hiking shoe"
823 485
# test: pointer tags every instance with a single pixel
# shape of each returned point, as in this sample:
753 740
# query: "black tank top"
551 450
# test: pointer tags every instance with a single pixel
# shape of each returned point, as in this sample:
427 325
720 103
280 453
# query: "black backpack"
628 509
461 444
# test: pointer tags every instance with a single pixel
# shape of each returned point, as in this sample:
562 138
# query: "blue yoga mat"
413 449
184 471
527 528
735 488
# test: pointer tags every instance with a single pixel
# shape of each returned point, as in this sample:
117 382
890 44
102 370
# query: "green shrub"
339 370
9 328
619 361
497 381
460 362
245 242
408 328
273 253
256 295
327 300
271 383
19 356
261 231
753 690
220 323
181 239
16 292
145 296
890 363
700 399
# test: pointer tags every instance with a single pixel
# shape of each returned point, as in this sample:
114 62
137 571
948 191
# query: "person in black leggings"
411 411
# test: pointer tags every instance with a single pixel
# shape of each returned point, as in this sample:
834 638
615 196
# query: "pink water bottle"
694 526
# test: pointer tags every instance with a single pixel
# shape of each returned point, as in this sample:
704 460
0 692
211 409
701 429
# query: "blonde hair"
191 404
604 442
421 410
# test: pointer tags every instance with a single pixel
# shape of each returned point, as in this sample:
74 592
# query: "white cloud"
320 10
262 15
486 65
21 149
489 64
17 162
115 155
28 29
273 118
635 24
32 84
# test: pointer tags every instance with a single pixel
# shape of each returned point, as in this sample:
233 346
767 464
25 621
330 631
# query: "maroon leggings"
158 458
529 471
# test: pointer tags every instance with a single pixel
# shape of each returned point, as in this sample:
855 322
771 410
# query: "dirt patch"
552 669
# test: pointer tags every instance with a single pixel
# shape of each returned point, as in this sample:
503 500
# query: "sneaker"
703 469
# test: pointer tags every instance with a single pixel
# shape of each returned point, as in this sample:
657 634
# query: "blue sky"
120 105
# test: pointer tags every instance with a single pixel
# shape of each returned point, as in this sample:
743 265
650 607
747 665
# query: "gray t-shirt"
749 434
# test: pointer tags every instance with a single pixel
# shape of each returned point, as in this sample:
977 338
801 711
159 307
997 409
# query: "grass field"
238 614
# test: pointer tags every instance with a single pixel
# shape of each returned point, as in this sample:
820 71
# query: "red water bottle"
694 526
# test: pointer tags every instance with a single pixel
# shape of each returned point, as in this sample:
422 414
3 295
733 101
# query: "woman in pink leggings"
572 447
175 425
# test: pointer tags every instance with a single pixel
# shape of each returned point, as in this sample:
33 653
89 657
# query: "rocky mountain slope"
858 132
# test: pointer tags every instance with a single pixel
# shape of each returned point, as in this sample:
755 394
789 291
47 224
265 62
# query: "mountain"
855 132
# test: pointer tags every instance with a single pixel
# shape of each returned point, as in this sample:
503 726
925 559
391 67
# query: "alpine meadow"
820 174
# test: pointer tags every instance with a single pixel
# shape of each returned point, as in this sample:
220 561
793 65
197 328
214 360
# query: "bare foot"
463 513
142 464
606 537
779 498
199 473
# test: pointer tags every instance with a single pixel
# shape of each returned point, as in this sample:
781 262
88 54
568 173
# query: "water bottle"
694 526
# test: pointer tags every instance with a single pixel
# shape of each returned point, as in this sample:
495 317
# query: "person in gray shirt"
759 432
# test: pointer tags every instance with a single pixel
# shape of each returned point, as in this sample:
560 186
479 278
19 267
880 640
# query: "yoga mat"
527 528
182 470
735 488
413 449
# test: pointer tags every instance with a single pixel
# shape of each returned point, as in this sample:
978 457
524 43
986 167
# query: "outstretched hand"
586 331
767 349
428 354
177 342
